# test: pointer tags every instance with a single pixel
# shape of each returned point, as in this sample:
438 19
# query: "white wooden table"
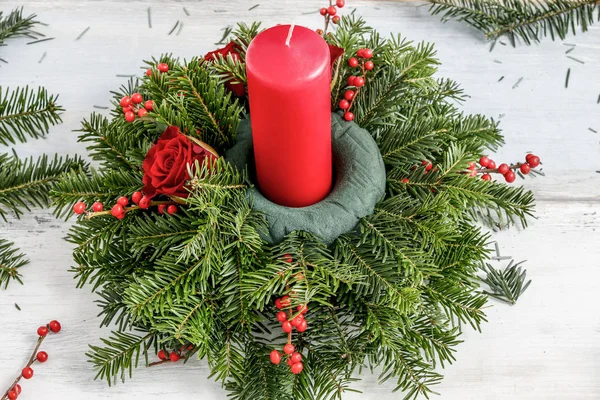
545 347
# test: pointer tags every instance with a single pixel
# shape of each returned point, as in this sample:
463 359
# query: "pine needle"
42 58
82 33
41 40
506 285
517 83
567 78
174 27
149 17
576 59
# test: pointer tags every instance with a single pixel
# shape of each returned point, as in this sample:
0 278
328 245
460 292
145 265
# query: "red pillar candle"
289 74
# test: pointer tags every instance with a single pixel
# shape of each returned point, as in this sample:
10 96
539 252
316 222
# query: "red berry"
17 389
320 31
296 357
471 166
281 316
97 206
127 109
275 357
129 116
125 101
287 258
162 355
161 208
289 348
491 164
297 321
331 10
54 326
359 81
323 11
351 80
427 164
297 368
289 362
336 19
525 168
149 105
302 327
484 161
42 356
142 112
510 177
349 95
340 3
136 197
278 304
285 301
117 211
286 326
174 357
172 209
405 180
359 53
344 104
486 177
162 67
369 65
533 161
503 168
136 98
348 116
353 62
145 202
123 201
367 53
149 72
303 309
42 331
12 395
27 373
79 207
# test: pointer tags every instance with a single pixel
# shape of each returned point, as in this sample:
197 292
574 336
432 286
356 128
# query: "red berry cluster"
488 166
364 63
133 105
330 13
14 390
173 356
120 208
162 68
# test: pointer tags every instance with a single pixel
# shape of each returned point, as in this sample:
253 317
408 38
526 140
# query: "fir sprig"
10 262
15 24
506 285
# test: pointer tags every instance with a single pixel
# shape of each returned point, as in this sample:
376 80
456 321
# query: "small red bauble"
533 161
12 395
359 81
17 389
27 373
97 206
123 201
161 208
525 168
281 316
510 177
348 116
369 65
297 368
145 202
296 357
351 80
405 180
42 331
136 197
367 53
289 348
79 207
486 177
161 354
503 168
303 309
491 164
323 11
149 105
275 357
142 112
297 321
149 72
286 326
353 62
484 161
344 104
129 116
136 98
125 101
162 67
331 10
54 326
340 3
336 19
349 95
42 356
174 357
172 209
302 327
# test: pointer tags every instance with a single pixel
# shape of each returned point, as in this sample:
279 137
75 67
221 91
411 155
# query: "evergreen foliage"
393 294
506 285
15 24
528 21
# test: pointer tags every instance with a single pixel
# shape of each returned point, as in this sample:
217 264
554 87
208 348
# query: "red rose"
166 164
239 89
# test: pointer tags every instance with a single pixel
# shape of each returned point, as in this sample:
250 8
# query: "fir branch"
10 262
25 112
518 19
15 25
506 285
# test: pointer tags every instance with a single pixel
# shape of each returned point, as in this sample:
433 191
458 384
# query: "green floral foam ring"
359 184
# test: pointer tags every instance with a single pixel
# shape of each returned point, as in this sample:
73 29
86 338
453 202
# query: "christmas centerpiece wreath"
191 259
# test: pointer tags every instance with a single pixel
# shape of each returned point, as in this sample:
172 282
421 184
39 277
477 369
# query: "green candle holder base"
360 179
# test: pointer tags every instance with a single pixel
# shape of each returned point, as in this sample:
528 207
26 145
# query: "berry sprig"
330 14
355 83
135 105
120 208
488 166
174 355
162 68
14 390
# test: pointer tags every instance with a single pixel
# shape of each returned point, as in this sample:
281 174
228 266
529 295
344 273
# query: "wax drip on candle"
289 36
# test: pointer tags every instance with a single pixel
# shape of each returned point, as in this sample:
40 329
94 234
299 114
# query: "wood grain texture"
545 347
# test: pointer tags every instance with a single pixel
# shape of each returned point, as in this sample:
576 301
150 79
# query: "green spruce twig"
16 25
10 262
506 285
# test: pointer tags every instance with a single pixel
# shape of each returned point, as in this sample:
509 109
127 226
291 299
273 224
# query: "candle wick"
289 36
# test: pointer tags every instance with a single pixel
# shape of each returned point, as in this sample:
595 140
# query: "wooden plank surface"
545 347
